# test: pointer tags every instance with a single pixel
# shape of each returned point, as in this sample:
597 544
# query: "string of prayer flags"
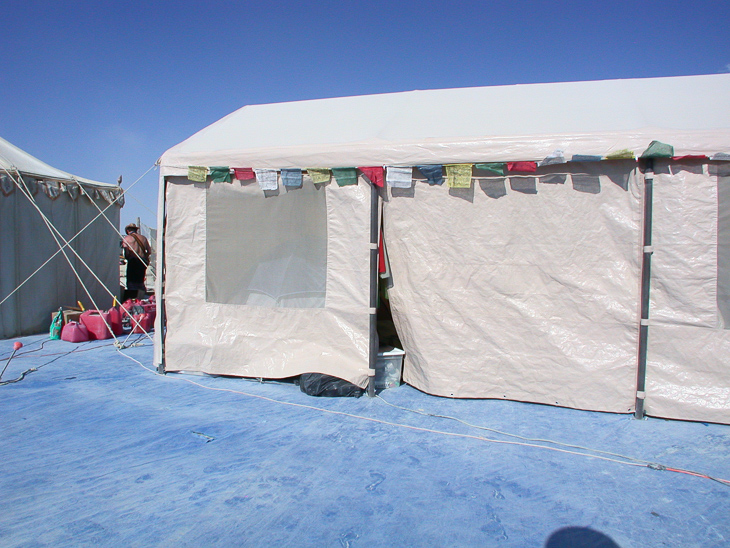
268 179
244 173
292 178
52 189
658 149
434 174
319 175
557 157
497 168
522 167
458 175
220 174
197 174
585 158
399 177
74 191
376 175
624 154
345 176
6 185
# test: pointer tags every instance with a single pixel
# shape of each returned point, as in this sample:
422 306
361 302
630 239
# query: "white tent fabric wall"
688 366
27 243
258 340
527 297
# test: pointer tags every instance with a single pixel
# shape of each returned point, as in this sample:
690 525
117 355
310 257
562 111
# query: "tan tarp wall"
259 341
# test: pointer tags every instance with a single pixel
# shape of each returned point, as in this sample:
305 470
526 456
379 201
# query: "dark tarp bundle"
316 384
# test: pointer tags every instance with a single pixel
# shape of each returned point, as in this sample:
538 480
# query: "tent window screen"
266 251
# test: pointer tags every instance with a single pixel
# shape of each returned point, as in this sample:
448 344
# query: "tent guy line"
636 462
20 182
67 243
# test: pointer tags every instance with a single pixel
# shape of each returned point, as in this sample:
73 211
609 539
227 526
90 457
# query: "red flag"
689 157
375 174
244 173
524 167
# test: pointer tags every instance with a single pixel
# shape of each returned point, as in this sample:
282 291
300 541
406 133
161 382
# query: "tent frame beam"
374 234
645 289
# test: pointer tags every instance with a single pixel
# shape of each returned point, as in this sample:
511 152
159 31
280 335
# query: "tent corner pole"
374 235
645 289
161 319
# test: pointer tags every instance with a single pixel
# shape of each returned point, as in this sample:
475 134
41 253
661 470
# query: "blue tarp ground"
97 451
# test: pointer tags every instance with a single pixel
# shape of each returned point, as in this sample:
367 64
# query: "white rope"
140 202
51 228
76 236
131 317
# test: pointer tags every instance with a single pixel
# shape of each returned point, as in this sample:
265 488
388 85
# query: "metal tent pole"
645 289
374 234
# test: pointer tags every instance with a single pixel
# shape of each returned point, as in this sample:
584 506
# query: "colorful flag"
376 174
345 176
319 175
557 157
458 175
496 168
220 174
399 177
267 178
292 178
197 174
522 167
434 173
244 173
658 149
585 158
623 154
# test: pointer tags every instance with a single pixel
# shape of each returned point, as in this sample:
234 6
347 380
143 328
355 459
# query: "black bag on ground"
317 384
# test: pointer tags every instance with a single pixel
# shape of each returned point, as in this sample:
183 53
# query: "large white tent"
582 274
29 288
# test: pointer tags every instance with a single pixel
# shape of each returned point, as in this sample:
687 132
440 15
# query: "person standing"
137 253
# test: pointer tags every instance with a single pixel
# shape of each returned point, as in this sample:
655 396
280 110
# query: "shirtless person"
137 252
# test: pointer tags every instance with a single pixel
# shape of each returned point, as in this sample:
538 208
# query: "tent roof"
13 158
499 123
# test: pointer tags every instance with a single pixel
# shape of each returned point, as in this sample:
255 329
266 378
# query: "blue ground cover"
98 451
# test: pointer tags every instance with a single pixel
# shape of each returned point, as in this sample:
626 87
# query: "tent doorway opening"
387 332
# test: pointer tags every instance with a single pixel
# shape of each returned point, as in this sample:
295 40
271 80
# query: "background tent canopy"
35 277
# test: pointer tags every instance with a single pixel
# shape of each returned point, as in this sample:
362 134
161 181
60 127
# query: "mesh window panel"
266 251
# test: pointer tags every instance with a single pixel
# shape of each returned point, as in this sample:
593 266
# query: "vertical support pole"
645 289
160 319
374 235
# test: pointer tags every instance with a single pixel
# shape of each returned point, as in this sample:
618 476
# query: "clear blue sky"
103 88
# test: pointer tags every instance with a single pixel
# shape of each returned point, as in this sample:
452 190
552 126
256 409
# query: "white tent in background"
523 285
26 242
